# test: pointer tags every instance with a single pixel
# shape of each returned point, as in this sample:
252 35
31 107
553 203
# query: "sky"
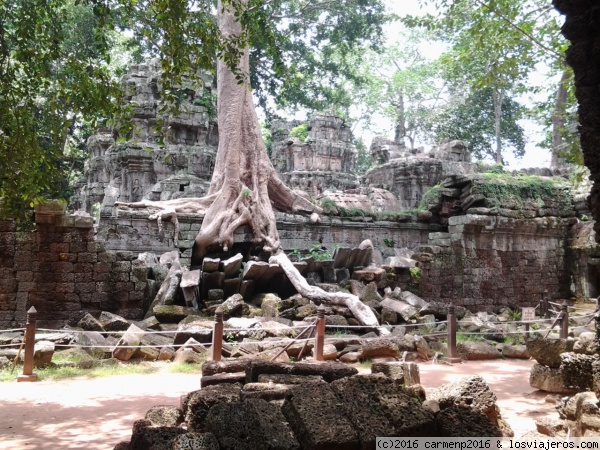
534 156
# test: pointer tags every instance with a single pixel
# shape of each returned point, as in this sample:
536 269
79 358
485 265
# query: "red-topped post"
320 336
217 337
452 356
28 374
564 320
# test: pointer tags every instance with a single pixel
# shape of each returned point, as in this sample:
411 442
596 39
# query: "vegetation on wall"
522 191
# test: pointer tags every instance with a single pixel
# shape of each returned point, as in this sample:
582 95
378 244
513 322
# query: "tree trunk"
244 182
498 96
558 119
400 128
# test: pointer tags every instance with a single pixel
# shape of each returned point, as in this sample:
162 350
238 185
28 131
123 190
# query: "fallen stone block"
129 341
380 348
328 370
358 403
221 378
225 366
112 322
328 429
154 438
547 351
250 424
549 379
197 404
165 416
464 422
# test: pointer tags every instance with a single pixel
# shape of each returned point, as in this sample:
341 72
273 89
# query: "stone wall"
410 176
483 262
131 230
61 270
584 261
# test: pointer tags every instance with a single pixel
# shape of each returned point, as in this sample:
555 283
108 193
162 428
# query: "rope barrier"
10 345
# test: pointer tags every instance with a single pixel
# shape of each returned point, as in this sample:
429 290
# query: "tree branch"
519 29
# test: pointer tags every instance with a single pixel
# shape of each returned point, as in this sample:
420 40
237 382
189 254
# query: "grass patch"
61 372
464 337
518 192
184 368
337 332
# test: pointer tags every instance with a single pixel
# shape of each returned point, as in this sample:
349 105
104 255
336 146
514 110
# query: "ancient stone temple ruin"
135 162
325 160
442 227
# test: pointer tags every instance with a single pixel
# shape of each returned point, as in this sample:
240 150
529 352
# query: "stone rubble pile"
314 406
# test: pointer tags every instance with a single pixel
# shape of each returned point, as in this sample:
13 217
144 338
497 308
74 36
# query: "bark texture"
582 28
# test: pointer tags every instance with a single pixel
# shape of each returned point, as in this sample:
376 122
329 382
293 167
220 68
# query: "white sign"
527 314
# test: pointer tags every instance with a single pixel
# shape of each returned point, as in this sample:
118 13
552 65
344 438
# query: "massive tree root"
244 187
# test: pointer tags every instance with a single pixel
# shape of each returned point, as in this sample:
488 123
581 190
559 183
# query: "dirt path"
96 414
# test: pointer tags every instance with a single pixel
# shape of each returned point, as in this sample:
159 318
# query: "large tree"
473 120
245 188
496 45
403 85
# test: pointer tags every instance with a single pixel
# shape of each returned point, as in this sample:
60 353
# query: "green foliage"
208 101
316 251
363 157
329 206
473 121
415 273
300 132
319 253
389 242
514 315
267 137
60 371
302 52
337 332
467 337
51 75
495 46
516 192
431 196
402 85
514 339
355 212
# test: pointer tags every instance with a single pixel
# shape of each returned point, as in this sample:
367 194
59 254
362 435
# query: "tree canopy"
51 74
55 66
495 46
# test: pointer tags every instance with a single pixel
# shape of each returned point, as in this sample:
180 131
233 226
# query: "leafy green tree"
300 50
245 189
495 44
402 86
55 69
473 121
49 75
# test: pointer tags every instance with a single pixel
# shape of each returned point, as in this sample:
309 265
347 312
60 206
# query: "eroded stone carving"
138 164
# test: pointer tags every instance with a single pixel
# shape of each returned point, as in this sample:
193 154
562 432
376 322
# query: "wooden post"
564 321
452 356
217 337
544 304
320 336
28 374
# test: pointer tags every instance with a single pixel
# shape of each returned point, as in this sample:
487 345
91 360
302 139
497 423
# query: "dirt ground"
96 414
